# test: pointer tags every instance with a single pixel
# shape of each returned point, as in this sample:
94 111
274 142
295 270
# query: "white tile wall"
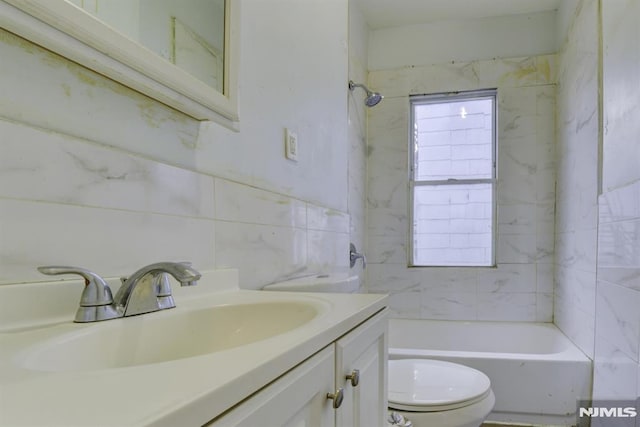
526 119
617 334
577 176
77 202
617 338
357 132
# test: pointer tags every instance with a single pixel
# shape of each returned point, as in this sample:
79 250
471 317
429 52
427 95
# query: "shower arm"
353 85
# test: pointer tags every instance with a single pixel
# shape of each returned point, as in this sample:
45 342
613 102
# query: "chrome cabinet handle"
354 377
337 397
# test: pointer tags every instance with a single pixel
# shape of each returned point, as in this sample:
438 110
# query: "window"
452 179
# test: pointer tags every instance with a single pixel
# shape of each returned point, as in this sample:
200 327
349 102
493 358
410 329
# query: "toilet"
436 393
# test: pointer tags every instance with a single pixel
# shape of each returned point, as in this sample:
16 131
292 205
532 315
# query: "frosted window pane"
454 140
453 224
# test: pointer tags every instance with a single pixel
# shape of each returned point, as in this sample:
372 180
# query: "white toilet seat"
424 385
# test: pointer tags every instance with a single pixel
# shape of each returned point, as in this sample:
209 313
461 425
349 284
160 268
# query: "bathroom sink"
336 282
172 335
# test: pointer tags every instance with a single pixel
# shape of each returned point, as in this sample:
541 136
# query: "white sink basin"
166 336
336 282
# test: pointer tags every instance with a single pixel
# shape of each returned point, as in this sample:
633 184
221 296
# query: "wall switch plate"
290 145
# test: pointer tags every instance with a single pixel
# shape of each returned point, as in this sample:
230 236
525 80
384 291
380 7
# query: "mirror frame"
71 32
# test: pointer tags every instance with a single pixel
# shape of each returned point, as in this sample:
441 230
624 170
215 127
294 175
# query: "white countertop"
183 392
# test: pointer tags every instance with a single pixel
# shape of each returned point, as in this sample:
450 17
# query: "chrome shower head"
372 99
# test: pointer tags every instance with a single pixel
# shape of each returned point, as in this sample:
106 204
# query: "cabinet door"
298 398
364 350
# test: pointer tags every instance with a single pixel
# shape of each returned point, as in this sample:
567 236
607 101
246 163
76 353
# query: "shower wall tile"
544 278
392 279
384 221
617 358
507 306
620 71
448 279
618 317
614 373
405 305
525 196
576 324
618 248
577 186
518 218
447 305
357 131
577 286
508 278
544 307
618 294
387 249
516 249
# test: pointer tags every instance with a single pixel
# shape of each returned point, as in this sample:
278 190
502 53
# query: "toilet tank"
333 282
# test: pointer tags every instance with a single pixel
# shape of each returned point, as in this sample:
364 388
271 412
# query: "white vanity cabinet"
300 396
361 369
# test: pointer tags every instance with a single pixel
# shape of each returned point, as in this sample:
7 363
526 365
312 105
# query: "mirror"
180 52
187 33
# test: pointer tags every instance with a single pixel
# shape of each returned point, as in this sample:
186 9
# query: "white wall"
357 131
521 288
577 189
96 175
598 237
617 323
463 41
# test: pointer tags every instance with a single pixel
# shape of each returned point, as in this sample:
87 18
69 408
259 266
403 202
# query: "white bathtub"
536 373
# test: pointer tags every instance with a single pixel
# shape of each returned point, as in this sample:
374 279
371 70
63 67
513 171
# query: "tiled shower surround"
521 287
617 296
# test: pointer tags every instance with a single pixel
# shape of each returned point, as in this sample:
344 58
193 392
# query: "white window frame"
415 100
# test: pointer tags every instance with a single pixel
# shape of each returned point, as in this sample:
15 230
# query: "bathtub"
537 374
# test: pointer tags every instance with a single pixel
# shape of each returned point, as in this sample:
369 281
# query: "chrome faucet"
96 302
354 256
147 290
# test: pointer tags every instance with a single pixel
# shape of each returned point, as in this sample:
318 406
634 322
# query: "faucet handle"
96 291
96 300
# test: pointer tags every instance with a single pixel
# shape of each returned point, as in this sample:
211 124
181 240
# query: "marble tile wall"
617 325
357 131
617 296
77 202
577 188
521 287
